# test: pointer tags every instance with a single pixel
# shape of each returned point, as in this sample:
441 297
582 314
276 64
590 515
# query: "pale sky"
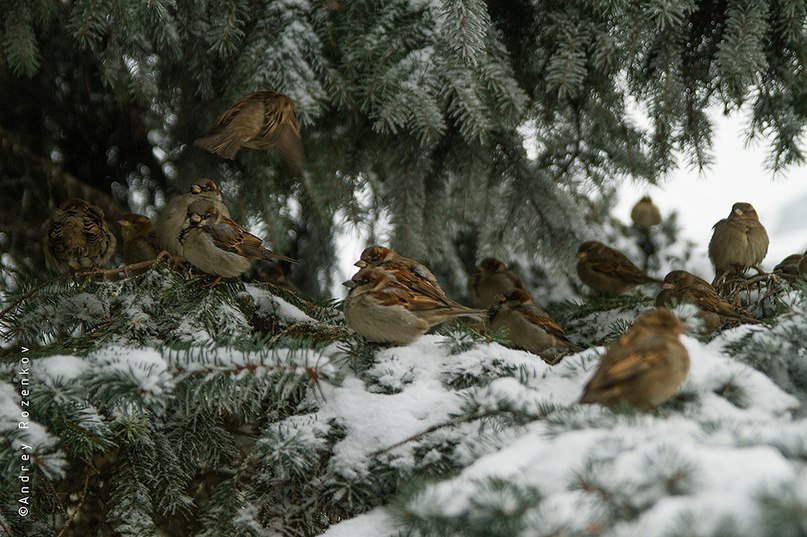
738 174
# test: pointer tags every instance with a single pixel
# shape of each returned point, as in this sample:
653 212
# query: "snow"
729 450
269 304
376 523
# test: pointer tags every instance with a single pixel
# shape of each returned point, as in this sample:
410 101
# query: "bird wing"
620 267
544 322
613 371
244 119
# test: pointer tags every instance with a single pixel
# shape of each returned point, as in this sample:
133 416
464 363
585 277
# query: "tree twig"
80 504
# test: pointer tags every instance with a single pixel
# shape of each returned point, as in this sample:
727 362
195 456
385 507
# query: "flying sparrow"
216 245
528 326
608 271
491 279
77 237
644 367
738 243
681 286
173 215
645 214
139 239
259 120
384 310
789 265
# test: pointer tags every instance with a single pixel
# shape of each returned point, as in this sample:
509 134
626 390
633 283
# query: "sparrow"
644 367
527 325
738 243
385 310
77 237
377 255
407 271
173 215
681 286
491 279
139 239
645 214
789 265
608 271
216 245
273 273
259 120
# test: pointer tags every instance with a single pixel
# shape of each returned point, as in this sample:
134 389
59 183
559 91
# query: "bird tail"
223 147
272 255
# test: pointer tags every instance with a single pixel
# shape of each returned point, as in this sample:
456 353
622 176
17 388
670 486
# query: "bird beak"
581 255
360 264
196 219
123 223
668 286
738 212
196 190
350 284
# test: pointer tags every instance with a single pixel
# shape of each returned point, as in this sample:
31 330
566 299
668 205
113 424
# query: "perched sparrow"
789 265
407 271
644 367
273 273
377 256
173 215
606 270
528 326
681 286
491 279
645 214
77 237
259 120
738 243
215 244
139 239
384 310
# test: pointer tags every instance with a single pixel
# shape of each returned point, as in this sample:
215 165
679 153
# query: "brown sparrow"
139 239
377 255
789 265
681 286
644 367
491 279
259 120
216 245
608 271
173 215
528 326
77 237
407 271
645 214
384 310
738 243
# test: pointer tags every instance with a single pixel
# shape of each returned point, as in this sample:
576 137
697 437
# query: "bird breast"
382 324
199 250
